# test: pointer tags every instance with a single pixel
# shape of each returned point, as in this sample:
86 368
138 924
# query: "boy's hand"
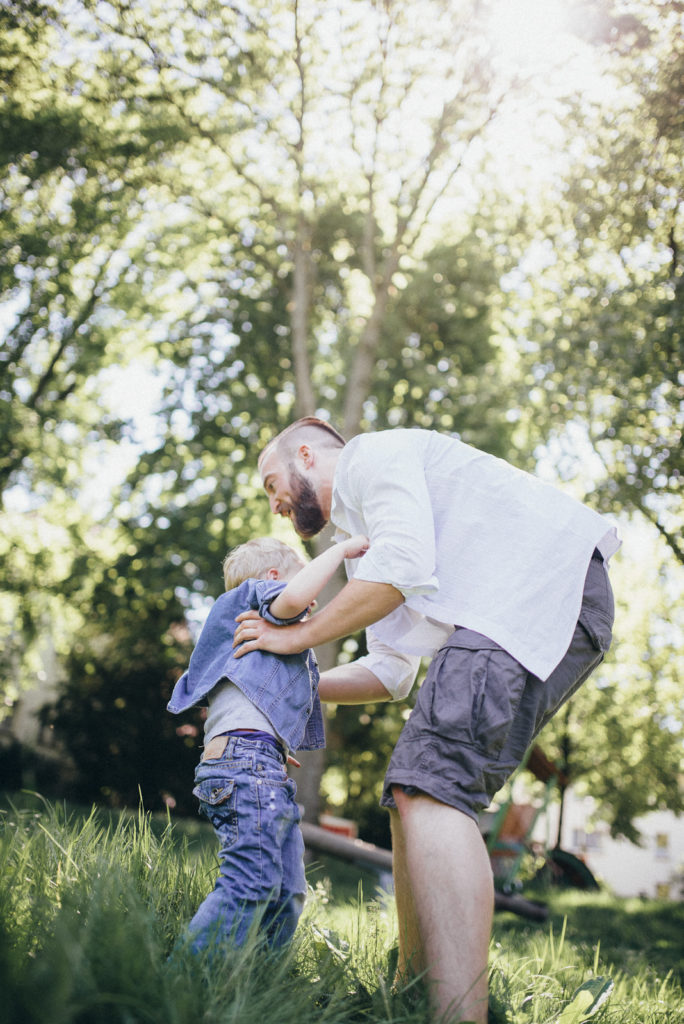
356 546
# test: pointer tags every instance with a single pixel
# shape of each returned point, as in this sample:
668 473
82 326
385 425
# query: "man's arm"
351 684
382 674
357 605
303 588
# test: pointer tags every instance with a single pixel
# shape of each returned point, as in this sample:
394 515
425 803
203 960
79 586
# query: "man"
501 579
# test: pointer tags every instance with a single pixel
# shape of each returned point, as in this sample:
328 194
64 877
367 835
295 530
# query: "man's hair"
310 429
253 559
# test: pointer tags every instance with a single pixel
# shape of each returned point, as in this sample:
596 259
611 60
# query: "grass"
91 906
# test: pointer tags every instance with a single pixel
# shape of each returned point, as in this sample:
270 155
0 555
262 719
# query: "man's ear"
272 574
306 454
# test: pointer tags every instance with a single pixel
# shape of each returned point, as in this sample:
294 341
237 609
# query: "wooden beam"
359 852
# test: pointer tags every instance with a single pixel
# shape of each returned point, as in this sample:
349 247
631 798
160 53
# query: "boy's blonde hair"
254 558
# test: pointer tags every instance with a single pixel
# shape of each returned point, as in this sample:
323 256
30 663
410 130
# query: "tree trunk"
565 768
299 320
561 811
308 777
363 364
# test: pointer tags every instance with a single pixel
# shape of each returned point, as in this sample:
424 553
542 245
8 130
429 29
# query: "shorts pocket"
598 628
475 696
598 607
218 798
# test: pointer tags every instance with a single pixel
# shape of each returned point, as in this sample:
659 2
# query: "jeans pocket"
218 799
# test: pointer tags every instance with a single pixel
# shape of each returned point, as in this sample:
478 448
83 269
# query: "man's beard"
307 515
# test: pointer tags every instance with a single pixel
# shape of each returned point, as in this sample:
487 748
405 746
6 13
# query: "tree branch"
303 269
674 542
82 316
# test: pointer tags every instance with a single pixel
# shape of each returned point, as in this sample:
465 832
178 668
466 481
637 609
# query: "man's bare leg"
411 960
450 879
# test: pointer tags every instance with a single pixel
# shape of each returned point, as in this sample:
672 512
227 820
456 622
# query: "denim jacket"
284 687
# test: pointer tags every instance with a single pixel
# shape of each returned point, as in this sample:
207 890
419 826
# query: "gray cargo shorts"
478 709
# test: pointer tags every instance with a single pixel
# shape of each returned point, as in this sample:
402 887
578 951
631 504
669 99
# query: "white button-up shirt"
469 540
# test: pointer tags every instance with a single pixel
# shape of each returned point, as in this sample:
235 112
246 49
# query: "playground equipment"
368 855
509 833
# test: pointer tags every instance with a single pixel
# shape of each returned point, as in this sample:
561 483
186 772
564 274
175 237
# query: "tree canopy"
382 213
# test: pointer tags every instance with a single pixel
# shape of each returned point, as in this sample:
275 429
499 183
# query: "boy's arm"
303 588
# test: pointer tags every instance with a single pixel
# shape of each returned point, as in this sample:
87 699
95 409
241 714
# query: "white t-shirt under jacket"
469 540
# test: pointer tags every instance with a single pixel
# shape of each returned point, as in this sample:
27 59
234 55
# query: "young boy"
260 707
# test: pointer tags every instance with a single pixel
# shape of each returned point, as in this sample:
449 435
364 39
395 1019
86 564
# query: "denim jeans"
249 799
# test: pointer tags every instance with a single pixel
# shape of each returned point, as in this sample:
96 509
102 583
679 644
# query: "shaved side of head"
309 430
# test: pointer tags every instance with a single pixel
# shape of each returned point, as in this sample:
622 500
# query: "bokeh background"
464 215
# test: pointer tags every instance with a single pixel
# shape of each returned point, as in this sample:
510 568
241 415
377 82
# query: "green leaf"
586 1000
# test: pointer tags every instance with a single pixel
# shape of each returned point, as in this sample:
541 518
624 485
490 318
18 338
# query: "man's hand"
357 605
256 634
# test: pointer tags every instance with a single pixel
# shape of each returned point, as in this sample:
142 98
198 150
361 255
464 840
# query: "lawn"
91 906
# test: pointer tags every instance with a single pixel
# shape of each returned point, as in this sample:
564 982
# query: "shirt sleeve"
396 671
385 485
266 593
